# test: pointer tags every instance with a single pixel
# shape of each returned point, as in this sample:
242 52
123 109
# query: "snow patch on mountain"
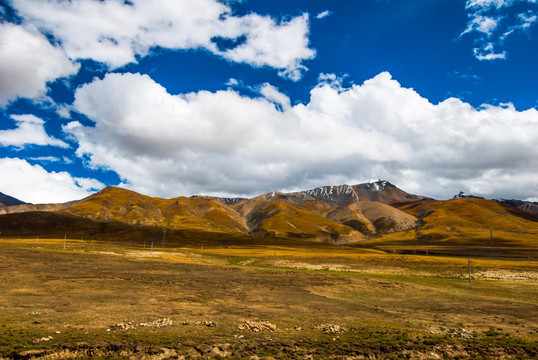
330 193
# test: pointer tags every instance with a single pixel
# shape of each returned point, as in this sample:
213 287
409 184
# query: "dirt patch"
506 275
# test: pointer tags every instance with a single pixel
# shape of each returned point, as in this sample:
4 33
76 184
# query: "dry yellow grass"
402 304
467 222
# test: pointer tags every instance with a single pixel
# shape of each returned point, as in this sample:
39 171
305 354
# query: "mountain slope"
199 213
472 221
380 191
525 206
6 200
385 218
328 214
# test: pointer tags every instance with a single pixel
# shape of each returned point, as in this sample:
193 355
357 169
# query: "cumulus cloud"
492 23
222 143
272 94
29 131
27 62
115 32
32 183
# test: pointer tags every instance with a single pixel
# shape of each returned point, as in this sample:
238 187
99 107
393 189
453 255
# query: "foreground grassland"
327 302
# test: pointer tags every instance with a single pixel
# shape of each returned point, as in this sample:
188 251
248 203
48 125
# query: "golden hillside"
469 221
115 213
125 206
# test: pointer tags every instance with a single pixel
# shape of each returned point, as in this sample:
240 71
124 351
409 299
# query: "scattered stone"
298 328
48 338
34 313
239 336
462 334
57 332
257 326
331 328
206 323
158 323
124 325
458 333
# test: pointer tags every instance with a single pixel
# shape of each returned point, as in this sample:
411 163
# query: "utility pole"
164 237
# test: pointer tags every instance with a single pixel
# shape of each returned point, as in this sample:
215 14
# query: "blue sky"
238 98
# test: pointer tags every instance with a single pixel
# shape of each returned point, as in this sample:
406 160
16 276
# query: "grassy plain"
387 305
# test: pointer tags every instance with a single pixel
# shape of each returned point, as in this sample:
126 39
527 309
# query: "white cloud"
224 143
29 131
115 32
89 185
45 158
487 52
32 183
323 14
232 82
281 45
483 24
272 94
488 3
27 62
492 23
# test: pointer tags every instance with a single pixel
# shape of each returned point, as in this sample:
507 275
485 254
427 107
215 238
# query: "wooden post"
469 264
151 251
65 238
274 259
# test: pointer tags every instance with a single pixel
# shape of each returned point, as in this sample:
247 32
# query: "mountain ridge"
272 215
341 214
6 200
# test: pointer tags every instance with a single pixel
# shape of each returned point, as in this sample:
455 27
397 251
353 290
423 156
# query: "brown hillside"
468 221
197 213
351 216
13 209
282 220
251 206
385 218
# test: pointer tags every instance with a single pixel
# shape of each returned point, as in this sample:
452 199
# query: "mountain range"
344 214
